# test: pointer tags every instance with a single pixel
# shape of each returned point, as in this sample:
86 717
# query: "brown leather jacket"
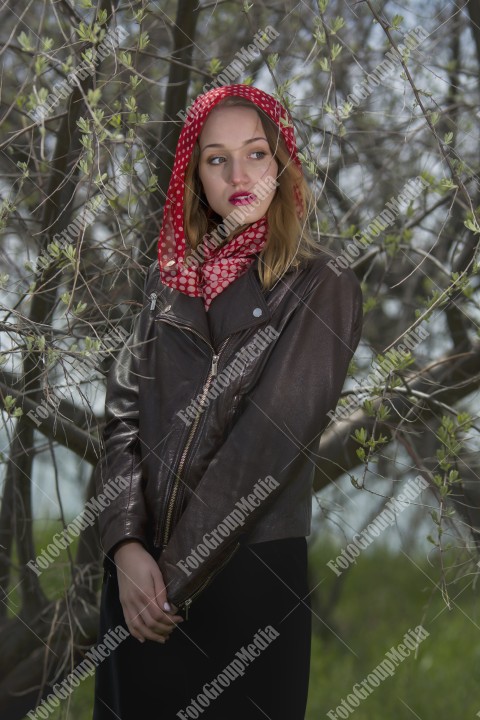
212 418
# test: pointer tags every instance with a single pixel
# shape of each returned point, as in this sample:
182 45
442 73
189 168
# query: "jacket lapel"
186 311
240 306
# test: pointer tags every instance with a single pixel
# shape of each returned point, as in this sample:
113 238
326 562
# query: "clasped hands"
143 595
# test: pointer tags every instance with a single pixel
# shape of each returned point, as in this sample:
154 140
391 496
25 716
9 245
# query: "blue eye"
212 160
259 152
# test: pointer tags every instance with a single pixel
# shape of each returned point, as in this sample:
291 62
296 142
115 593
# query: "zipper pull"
186 605
153 301
214 365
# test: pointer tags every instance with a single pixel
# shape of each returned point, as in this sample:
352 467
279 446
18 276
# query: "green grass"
383 596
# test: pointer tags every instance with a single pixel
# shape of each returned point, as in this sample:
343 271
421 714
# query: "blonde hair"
288 241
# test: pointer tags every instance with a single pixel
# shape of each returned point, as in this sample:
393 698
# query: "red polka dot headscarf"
211 268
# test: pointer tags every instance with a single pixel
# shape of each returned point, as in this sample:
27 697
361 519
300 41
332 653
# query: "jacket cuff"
112 540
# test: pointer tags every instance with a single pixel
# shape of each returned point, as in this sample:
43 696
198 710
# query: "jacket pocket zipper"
186 603
171 503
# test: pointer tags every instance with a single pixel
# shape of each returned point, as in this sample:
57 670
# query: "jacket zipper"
212 373
186 603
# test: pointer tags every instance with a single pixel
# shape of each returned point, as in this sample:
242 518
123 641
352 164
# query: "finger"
161 626
134 632
141 631
155 637
142 612
162 616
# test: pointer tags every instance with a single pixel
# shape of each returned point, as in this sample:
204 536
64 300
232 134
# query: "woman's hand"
142 594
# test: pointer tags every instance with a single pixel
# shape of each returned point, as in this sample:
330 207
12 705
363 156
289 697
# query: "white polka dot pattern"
220 265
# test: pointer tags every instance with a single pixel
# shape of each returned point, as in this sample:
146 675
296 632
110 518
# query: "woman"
214 409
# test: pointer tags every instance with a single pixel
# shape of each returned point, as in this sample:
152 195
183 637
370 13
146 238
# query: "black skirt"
243 653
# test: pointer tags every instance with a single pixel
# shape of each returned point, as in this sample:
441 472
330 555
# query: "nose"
237 172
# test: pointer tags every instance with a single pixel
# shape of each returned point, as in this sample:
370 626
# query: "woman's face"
234 156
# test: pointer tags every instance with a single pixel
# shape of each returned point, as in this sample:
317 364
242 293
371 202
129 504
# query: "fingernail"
166 607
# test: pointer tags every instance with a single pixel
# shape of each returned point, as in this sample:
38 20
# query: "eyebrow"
219 145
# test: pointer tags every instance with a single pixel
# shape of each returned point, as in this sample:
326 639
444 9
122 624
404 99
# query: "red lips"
242 198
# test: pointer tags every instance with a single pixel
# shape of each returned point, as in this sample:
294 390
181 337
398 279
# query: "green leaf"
383 413
9 402
131 103
47 44
94 96
369 408
143 41
80 307
335 51
472 224
324 64
139 15
125 58
25 42
360 435
135 81
396 21
447 184
272 60
337 25
214 66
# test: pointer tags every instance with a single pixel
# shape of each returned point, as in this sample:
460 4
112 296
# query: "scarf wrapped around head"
219 265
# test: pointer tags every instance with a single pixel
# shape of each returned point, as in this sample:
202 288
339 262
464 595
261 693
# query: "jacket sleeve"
283 416
118 475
